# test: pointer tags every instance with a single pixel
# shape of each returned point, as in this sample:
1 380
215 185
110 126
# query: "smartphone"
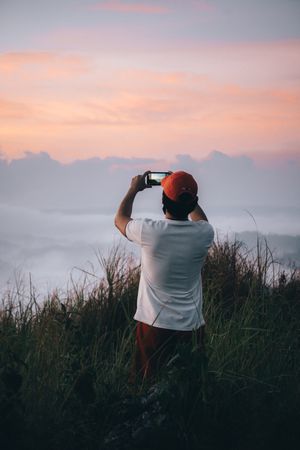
154 178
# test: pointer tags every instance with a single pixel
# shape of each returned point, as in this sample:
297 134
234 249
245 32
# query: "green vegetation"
64 365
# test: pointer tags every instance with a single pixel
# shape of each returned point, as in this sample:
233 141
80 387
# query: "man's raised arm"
124 212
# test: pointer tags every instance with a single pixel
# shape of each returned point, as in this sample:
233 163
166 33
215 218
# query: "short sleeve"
207 231
133 230
210 233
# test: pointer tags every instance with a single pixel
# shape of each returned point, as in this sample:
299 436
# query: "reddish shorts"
155 346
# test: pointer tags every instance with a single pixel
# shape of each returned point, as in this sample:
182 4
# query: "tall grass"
65 363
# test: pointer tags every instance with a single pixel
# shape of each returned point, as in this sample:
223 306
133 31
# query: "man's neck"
169 216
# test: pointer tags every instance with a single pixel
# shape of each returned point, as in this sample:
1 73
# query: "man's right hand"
138 183
198 214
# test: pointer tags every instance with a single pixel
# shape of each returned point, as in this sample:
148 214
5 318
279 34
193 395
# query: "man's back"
172 254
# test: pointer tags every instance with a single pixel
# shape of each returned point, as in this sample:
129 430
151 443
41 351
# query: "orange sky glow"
238 97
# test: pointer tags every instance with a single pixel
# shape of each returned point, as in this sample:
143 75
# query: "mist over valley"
56 218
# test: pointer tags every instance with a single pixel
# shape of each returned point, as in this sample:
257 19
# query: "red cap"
178 183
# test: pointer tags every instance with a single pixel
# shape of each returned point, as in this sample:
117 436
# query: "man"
173 250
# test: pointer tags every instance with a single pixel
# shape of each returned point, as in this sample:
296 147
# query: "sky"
115 78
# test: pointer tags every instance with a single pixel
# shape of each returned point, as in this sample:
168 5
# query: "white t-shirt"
172 255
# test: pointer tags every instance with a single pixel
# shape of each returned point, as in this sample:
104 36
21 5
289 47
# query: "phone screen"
154 178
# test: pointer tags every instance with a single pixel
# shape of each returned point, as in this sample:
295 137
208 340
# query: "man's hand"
138 183
198 214
123 215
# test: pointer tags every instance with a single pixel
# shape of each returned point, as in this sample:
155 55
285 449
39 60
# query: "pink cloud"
10 109
36 64
121 7
203 6
14 60
137 107
196 103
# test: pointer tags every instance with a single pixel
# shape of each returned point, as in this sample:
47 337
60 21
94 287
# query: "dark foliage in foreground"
64 365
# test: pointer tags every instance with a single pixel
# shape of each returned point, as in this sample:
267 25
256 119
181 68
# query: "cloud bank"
38 181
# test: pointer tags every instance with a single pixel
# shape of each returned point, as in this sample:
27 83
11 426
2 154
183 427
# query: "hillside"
65 364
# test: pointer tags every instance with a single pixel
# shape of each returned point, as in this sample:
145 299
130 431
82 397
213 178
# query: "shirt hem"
169 326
